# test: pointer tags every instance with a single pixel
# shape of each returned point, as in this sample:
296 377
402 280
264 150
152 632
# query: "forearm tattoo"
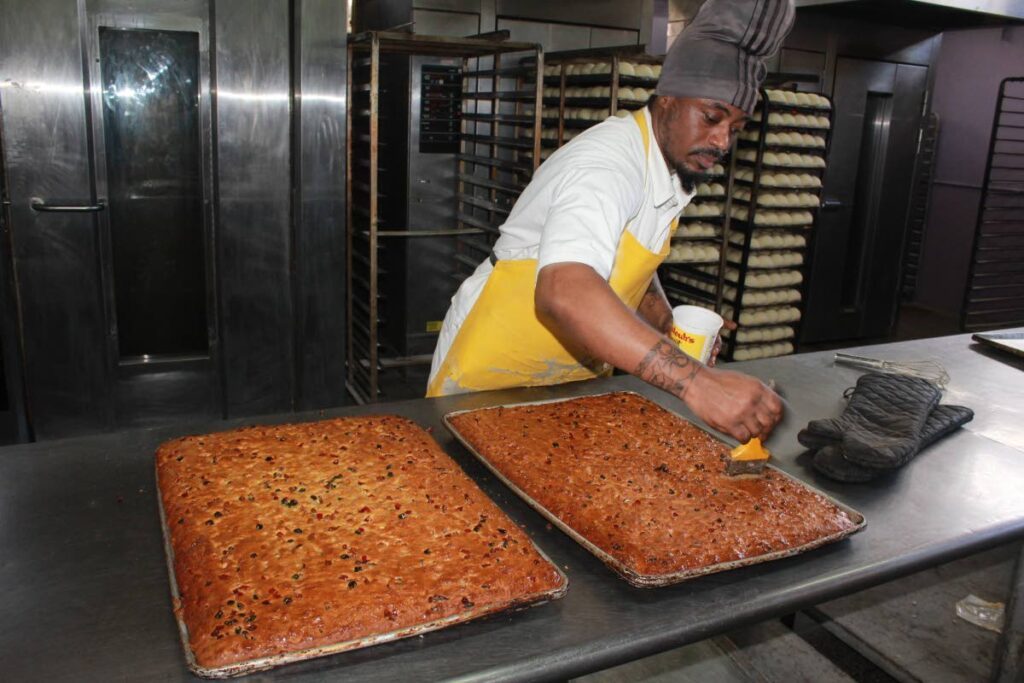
668 368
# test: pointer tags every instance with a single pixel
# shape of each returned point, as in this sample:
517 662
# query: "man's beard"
690 179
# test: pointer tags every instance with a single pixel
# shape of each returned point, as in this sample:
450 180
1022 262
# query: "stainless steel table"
84 591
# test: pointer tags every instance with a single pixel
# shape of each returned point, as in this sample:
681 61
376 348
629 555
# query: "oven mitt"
942 420
881 425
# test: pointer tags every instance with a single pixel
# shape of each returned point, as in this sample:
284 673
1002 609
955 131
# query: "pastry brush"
751 457
747 459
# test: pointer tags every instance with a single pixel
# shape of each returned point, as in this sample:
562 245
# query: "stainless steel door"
110 185
853 290
56 253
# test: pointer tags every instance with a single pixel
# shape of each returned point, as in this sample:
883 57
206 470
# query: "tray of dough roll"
751 297
781 160
641 72
767 316
766 260
778 98
762 335
765 298
774 199
771 218
693 253
770 239
789 140
801 122
758 351
705 209
600 93
698 230
780 181
602 79
766 279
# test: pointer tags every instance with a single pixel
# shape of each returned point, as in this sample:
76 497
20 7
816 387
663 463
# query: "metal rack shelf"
485 179
994 296
737 268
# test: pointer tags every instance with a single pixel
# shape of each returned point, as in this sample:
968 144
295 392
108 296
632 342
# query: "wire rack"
994 296
493 130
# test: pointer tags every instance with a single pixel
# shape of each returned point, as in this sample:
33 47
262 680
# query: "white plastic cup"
694 330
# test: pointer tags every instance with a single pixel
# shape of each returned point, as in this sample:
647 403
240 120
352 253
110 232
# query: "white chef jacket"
576 208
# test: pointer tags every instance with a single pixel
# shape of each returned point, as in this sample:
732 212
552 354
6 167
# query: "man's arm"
655 308
579 307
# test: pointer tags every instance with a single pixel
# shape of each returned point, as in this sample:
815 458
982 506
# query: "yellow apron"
502 344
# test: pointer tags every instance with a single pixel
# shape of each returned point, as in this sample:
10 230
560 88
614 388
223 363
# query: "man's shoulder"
614 145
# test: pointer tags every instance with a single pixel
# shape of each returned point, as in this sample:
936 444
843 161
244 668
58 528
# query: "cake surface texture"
645 486
301 536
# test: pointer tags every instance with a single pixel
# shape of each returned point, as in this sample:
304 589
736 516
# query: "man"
571 288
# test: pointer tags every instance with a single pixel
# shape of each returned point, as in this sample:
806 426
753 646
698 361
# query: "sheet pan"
654 580
264 663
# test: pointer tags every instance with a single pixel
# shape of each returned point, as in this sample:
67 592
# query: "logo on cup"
681 336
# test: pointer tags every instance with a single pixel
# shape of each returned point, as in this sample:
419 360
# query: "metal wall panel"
610 37
253 88
554 37
794 61
55 254
320 229
368 15
606 13
470 6
433 23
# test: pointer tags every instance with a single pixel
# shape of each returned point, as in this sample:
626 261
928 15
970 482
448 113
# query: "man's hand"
717 348
734 403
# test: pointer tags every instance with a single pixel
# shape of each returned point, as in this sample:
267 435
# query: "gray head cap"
721 54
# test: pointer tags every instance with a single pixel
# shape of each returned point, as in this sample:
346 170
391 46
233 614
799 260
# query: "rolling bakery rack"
773 193
584 87
994 296
487 113
743 241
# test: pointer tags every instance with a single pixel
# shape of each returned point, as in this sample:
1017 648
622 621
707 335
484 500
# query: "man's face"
695 134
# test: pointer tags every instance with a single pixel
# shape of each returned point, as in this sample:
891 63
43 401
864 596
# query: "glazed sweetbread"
645 486
310 535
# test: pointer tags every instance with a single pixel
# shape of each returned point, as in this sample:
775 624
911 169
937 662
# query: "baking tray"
1007 342
631 576
264 663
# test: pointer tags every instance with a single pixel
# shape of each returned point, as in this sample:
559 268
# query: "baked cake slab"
295 541
645 490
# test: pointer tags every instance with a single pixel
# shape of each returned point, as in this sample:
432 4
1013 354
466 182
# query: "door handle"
831 204
39 205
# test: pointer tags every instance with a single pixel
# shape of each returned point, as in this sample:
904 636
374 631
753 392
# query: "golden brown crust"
307 535
645 486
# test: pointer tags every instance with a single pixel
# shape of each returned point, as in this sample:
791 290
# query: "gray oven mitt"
831 462
881 426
